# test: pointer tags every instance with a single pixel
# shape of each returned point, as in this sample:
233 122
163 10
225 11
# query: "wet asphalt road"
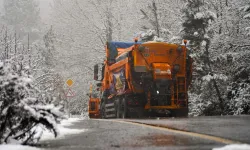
103 134
235 128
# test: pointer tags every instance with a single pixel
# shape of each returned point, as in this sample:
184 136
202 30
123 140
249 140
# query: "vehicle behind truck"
94 104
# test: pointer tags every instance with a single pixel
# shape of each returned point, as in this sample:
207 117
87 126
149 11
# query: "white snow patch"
211 14
234 147
215 76
165 31
1 64
69 121
176 39
246 8
203 43
17 147
63 130
247 16
199 15
148 33
205 15
157 39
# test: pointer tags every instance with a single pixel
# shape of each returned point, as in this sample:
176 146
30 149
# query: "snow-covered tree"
246 9
22 106
196 29
161 19
46 76
239 88
154 21
229 52
23 17
228 55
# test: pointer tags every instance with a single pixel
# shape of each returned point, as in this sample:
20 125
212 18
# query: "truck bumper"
94 115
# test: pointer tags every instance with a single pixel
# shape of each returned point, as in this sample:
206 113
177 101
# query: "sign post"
69 93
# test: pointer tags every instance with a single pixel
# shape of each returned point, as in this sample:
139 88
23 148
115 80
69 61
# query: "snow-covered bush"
22 107
203 99
239 89
239 102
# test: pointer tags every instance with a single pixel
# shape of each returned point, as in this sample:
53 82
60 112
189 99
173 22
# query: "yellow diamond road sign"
69 82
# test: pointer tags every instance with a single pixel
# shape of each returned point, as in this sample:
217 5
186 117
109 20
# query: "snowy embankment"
64 128
17 147
234 147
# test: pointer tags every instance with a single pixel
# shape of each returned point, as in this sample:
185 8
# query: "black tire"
123 109
103 111
141 112
180 112
118 109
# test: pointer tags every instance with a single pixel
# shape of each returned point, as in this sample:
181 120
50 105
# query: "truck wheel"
180 112
103 111
141 112
124 108
118 109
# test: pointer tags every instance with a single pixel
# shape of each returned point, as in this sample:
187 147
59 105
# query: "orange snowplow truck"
140 79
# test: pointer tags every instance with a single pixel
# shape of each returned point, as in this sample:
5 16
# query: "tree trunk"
156 19
213 80
109 30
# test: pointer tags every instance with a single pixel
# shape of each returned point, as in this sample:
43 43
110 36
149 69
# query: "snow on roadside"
46 135
69 121
64 130
17 147
234 147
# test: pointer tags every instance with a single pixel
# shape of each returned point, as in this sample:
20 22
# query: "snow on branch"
205 15
247 16
210 77
22 108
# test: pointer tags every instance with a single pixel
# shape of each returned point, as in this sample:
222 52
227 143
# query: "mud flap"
183 112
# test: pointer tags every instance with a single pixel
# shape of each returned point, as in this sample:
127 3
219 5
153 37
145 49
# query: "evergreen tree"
197 21
239 88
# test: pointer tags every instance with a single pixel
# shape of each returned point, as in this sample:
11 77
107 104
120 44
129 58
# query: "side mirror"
96 72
